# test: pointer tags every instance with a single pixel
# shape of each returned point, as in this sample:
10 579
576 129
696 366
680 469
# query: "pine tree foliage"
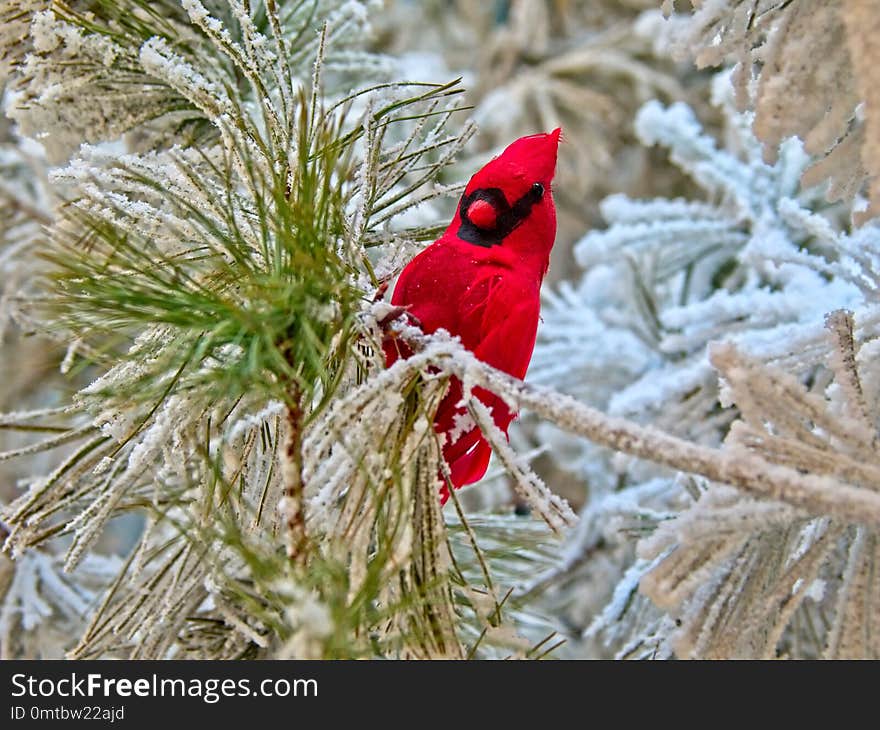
43 603
765 312
807 69
222 288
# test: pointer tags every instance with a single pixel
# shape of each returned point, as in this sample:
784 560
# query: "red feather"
481 280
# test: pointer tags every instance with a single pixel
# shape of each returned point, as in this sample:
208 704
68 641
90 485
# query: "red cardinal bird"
481 281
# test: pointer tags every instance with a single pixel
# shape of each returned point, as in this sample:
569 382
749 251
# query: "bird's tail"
466 450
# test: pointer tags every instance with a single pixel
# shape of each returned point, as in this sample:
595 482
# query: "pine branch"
731 465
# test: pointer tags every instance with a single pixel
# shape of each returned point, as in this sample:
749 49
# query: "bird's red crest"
509 203
527 160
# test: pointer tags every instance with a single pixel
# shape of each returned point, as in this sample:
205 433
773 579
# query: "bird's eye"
538 189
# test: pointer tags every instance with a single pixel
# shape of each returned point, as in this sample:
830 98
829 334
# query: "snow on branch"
817 495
